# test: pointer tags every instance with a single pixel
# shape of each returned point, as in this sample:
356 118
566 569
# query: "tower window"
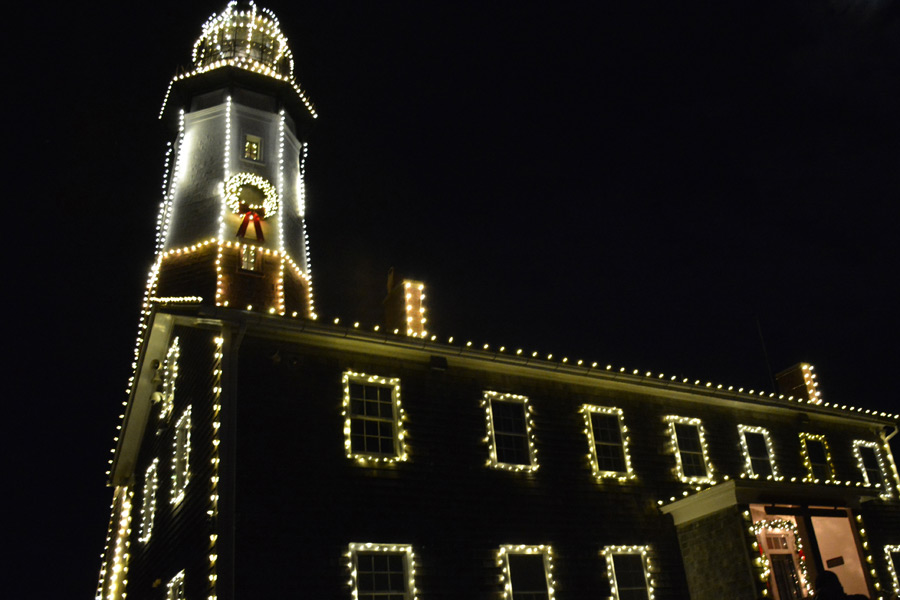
250 258
253 148
509 432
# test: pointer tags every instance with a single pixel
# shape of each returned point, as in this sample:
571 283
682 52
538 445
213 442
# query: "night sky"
702 189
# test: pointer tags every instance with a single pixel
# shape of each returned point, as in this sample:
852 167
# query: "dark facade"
263 453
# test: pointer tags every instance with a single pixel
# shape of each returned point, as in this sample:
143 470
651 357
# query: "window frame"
885 484
805 438
487 400
600 474
401 451
672 421
409 564
893 568
743 430
175 587
148 501
181 456
610 552
506 574
258 140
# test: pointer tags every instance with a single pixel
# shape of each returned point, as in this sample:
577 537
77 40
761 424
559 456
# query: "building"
263 452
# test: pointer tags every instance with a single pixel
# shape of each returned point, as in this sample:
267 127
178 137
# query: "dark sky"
655 185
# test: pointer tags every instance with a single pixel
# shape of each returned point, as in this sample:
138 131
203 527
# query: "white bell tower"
231 227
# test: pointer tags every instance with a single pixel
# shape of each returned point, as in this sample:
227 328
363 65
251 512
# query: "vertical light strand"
116 570
213 511
279 286
226 167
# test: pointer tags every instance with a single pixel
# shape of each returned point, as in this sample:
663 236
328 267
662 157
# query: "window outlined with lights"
816 458
148 501
169 377
759 454
870 460
892 559
607 438
628 571
253 148
373 419
510 432
382 571
181 456
175 587
526 572
688 444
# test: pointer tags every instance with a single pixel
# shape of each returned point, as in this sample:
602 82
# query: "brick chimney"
799 381
404 307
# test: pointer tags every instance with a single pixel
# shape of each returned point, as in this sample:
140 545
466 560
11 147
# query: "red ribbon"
251 215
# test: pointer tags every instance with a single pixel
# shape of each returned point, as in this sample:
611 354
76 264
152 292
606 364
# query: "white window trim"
804 454
184 474
884 484
673 420
770 451
587 410
148 502
506 577
609 552
493 462
401 451
409 563
175 587
892 568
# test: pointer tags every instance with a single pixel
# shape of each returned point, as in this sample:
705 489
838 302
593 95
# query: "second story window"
607 442
148 506
628 571
871 465
181 456
816 458
373 417
689 446
759 457
510 434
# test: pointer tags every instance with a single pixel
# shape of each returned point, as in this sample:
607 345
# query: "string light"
169 376
114 570
876 450
674 420
889 551
487 403
181 456
749 472
805 439
610 552
587 410
409 559
213 511
502 560
401 452
148 506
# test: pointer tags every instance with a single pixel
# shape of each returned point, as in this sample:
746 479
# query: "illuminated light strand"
233 185
600 474
148 505
409 559
770 452
645 552
786 526
175 587
301 182
280 186
869 563
401 451
177 299
114 572
809 380
213 511
164 206
414 297
493 461
891 567
502 561
226 164
672 421
879 457
169 377
104 556
181 457
805 438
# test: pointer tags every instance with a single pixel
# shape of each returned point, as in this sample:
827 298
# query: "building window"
169 375
510 432
816 458
253 148
892 558
759 456
628 571
175 587
148 506
527 572
382 572
181 456
689 447
373 419
607 442
871 465
250 258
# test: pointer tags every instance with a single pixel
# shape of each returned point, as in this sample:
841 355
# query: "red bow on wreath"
251 214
